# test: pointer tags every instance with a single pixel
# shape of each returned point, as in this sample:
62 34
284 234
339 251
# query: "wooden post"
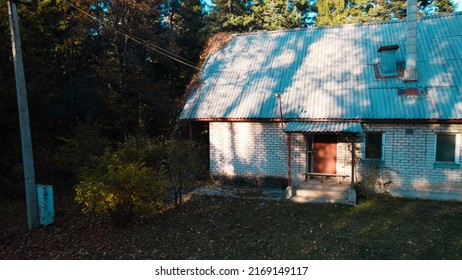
353 160
26 141
289 159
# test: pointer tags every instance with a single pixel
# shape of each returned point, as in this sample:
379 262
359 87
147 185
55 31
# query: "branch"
20 2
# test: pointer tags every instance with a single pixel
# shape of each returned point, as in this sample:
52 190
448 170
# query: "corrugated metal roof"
328 73
324 127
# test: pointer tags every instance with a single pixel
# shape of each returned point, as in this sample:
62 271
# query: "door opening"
324 153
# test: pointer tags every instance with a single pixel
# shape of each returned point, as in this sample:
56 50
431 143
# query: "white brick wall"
344 156
244 148
410 158
260 149
299 159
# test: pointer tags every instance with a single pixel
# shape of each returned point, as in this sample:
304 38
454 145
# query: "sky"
458 5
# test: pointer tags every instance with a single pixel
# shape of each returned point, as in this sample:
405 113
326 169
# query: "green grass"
224 228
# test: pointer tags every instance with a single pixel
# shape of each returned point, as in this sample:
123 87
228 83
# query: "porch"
322 191
328 157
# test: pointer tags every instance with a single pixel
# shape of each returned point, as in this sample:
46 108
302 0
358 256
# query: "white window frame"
456 149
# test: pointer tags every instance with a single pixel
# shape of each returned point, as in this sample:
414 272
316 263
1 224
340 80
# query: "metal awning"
323 127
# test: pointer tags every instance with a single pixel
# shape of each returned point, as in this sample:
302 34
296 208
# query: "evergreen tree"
437 6
187 21
247 16
230 16
81 72
332 12
276 15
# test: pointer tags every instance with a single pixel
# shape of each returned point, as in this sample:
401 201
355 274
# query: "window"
447 148
374 143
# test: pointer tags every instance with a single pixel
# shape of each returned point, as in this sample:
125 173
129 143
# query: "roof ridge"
393 21
318 27
442 15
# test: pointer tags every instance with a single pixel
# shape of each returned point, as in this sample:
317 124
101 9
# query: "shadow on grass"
229 228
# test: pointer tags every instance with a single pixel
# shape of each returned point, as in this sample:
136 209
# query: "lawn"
230 228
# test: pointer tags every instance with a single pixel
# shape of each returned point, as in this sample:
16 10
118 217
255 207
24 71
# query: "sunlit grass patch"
231 228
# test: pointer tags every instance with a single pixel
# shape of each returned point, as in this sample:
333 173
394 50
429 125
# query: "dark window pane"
374 145
445 147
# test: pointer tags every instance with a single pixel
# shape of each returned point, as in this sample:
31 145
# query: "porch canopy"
323 127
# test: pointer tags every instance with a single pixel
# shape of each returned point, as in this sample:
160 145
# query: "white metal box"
45 204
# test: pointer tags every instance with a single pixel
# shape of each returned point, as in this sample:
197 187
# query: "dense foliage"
332 12
182 162
123 182
98 71
249 15
135 176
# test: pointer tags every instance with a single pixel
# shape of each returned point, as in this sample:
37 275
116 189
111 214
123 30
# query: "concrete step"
341 195
325 187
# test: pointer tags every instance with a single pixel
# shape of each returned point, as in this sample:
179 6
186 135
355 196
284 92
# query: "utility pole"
24 125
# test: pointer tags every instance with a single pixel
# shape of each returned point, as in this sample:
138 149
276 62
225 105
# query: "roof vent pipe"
410 73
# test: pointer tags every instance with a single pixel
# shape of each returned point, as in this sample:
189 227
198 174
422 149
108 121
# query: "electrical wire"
138 40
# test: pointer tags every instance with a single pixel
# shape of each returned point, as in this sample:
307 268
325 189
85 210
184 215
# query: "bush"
375 183
182 163
120 184
133 178
76 150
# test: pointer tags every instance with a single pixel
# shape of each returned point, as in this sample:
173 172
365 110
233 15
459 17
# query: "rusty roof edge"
359 120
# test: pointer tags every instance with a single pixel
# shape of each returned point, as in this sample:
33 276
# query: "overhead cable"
138 40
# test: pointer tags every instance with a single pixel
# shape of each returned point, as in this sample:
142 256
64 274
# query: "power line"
138 40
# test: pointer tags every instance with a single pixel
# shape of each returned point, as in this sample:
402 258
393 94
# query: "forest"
106 81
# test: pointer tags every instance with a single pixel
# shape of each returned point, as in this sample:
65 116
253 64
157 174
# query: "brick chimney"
410 73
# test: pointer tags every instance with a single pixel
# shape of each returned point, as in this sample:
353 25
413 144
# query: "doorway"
322 153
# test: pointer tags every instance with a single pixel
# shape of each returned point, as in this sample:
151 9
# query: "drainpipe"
289 145
289 159
281 118
353 160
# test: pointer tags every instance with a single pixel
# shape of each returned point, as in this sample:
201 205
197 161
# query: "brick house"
387 96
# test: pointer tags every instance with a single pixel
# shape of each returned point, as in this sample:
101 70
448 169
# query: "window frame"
456 148
382 147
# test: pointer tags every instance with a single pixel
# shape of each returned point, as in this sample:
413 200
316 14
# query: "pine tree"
332 12
276 15
187 21
247 16
230 16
